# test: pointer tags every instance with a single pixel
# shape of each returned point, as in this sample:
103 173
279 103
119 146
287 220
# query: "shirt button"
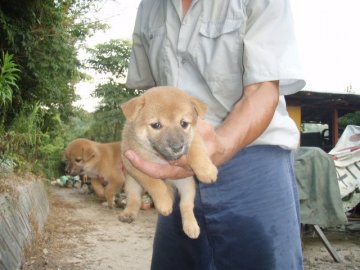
151 36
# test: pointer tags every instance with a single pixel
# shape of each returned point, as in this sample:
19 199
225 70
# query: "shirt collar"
178 6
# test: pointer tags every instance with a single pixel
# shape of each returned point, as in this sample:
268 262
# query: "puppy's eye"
77 160
156 125
184 124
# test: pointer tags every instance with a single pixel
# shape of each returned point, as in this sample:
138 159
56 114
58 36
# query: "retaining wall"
19 217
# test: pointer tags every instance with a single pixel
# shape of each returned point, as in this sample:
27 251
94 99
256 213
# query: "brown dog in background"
160 127
101 162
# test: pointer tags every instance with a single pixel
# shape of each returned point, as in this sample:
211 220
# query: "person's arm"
249 118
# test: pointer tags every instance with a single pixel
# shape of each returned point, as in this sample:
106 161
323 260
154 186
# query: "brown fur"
99 161
161 126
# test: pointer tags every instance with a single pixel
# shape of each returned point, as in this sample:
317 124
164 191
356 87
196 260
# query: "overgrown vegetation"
8 77
39 41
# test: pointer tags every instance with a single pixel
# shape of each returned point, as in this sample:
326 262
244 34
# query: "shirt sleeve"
139 71
270 48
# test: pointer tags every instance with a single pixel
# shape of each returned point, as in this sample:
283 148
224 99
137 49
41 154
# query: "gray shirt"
215 50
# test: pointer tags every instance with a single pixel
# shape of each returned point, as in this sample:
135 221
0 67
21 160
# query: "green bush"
8 77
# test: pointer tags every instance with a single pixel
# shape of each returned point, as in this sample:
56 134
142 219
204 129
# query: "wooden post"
327 244
335 127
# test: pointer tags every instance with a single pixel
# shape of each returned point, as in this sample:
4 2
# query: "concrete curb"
18 218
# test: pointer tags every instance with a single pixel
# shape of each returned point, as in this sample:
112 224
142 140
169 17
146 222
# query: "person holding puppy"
240 58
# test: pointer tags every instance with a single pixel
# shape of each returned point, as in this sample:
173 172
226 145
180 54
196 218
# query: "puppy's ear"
200 107
132 107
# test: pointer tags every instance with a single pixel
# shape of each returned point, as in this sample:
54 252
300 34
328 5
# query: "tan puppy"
99 161
161 126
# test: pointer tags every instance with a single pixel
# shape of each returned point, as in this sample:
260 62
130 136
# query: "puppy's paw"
106 204
191 229
127 217
208 175
164 207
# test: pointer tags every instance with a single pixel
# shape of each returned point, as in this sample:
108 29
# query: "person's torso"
201 53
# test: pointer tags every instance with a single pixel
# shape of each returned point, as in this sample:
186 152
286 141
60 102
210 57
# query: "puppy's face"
79 156
164 120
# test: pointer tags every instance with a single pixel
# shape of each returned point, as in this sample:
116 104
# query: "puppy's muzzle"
171 148
74 170
177 148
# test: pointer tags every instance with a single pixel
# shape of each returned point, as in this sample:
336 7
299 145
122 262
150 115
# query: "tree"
43 36
349 119
112 60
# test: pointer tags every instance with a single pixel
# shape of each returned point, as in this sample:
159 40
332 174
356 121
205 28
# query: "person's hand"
178 169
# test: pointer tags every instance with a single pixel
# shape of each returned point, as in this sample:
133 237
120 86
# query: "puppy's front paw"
164 207
106 204
127 217
208 175
191 229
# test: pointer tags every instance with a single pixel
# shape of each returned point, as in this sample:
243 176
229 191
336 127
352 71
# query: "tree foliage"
43 36
349 119
110 59
8 78
40 39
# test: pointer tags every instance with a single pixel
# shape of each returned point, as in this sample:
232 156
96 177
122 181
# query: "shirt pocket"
219 54
154 40
219 41
217 29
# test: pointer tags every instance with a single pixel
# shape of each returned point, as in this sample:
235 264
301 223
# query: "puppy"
101 162
161 126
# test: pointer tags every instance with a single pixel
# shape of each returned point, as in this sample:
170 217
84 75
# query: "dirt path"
83 234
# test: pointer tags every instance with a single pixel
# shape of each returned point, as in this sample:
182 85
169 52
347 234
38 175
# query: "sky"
327 32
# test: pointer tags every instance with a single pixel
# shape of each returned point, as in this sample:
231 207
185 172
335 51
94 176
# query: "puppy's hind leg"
187 190
160 192
115 184
98 188
133 191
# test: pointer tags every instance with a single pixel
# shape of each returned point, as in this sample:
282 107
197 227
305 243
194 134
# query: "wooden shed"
321 108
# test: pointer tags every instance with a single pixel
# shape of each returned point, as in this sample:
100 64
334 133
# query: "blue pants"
249 219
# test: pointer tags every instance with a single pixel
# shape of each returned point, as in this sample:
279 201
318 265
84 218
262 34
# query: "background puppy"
101 162
161 126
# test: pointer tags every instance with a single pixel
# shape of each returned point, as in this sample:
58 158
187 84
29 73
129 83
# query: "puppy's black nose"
177 148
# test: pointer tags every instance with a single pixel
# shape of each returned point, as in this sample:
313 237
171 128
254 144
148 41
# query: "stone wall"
19 217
